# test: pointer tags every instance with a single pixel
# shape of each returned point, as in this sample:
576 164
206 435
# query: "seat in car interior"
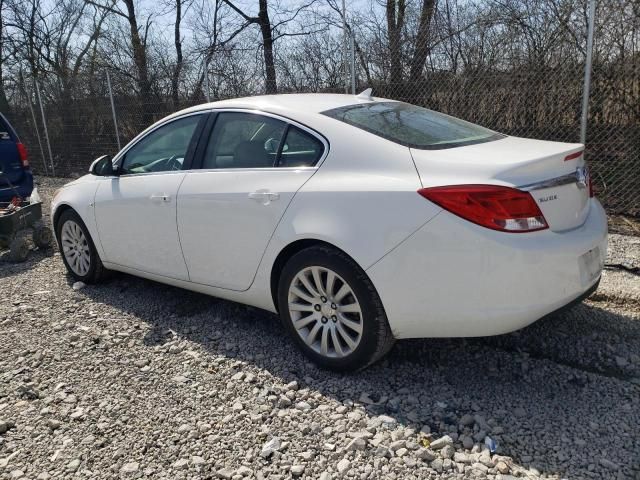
251 154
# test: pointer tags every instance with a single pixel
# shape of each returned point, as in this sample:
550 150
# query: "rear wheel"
77 249
331 309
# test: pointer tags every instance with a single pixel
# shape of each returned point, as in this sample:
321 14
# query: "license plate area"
590 264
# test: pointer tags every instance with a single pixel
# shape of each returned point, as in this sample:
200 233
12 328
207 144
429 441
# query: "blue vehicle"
16 179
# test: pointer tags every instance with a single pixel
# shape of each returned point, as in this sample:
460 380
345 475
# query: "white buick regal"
360 220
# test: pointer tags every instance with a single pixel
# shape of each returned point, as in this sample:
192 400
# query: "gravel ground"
134 379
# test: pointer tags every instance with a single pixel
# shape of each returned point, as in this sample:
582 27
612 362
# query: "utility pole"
587 72
345 58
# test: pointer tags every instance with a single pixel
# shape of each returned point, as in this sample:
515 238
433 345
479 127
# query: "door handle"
264 197
161 197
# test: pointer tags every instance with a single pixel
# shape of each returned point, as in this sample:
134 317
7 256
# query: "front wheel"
77 249
332 310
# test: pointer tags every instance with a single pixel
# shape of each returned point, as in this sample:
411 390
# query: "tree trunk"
421 50
267 41
140 59
178 68
395 24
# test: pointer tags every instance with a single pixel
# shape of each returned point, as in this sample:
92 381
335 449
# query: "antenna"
366 95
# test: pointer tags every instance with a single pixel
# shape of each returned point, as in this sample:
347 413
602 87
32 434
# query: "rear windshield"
413 126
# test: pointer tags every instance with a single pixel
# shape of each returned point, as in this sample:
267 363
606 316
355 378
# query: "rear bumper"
24 187
455 279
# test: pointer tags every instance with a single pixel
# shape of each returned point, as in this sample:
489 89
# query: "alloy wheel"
75 248
325 312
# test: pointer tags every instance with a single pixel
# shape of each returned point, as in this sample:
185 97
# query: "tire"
358 332
18 249
88 268
42 235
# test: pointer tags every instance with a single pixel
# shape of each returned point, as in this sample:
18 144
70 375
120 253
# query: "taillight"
492 206
22 153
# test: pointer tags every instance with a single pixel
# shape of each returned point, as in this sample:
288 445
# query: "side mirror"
102 167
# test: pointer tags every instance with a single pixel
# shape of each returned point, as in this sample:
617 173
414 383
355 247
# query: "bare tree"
138 36
395 24
263 21
421 49
272 32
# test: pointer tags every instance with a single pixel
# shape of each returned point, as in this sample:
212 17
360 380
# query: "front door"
252 166
136 211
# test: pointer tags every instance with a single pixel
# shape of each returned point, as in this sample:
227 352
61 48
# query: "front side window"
244 140
413 126
162 150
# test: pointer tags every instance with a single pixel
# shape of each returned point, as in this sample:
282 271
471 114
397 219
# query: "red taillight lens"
22 153
492 206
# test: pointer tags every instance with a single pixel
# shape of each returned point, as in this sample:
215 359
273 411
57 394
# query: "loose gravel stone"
357 444
270 447
130 467
441 442
73 465
343 466
297 470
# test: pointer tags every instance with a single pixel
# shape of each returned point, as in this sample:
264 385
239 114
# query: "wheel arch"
289 251
60 209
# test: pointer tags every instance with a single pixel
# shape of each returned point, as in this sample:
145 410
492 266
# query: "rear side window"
243 140
413 126
251 140
300 149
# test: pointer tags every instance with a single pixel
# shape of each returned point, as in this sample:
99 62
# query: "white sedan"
360 220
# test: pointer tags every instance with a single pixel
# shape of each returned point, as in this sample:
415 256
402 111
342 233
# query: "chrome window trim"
146 174
579 176
253 169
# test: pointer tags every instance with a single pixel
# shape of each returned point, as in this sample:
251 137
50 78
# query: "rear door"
251 167
9 158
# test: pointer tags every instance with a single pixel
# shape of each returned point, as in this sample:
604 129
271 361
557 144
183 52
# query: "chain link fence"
101 112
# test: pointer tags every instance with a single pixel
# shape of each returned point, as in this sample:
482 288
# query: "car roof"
288 103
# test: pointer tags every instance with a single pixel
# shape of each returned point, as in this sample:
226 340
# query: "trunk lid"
559 186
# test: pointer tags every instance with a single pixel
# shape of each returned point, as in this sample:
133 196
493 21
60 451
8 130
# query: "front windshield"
413 126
